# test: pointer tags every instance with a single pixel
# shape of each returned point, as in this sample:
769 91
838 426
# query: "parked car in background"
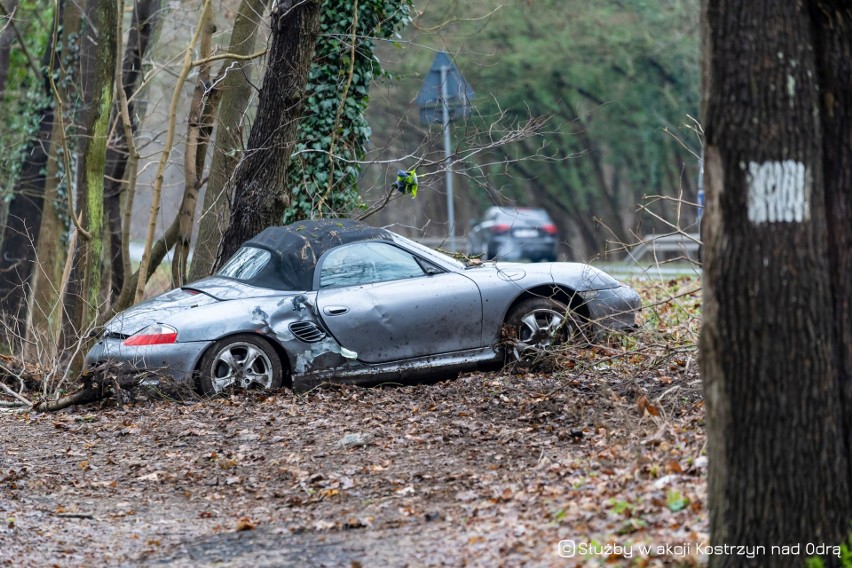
338 301
514 233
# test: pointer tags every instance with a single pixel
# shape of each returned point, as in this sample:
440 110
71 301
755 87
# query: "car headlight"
154 334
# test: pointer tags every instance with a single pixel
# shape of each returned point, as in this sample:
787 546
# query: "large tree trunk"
23 218
236 94
20 232
775 342
833 46
98 54
261 195
44 310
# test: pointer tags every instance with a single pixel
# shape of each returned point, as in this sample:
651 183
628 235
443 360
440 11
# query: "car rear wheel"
240 361
535 326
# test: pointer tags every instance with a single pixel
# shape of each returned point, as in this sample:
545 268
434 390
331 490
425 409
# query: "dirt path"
486 470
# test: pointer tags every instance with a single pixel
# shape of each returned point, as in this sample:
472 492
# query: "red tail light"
549 229
501 228
154 334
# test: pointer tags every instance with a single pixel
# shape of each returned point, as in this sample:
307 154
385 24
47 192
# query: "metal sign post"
448 172
445 86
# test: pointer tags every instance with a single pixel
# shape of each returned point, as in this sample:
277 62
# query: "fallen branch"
99 383
14 395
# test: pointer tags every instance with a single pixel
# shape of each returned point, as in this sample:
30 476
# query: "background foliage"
334 131
612 76
24 95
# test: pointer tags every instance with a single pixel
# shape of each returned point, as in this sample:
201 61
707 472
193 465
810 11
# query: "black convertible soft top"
296 247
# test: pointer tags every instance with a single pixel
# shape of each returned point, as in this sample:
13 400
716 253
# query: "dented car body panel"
442 313
354 307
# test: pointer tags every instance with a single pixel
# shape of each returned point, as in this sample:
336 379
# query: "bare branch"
164 158
231 56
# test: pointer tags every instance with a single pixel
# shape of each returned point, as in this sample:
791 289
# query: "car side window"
246 263
366 263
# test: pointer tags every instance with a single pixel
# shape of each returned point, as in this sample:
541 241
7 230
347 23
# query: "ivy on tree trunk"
333 132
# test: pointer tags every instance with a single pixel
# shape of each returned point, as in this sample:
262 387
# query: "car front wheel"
535 326
240 361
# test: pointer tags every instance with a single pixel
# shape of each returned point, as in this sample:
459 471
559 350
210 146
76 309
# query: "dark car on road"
514 233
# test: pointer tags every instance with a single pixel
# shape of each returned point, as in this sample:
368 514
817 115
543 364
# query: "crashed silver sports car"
340 301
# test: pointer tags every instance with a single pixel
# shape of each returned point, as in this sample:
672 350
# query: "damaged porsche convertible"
338 301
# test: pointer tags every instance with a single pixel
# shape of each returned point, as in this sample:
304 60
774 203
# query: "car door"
386 304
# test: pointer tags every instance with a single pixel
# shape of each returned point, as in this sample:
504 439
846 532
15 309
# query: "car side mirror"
429 268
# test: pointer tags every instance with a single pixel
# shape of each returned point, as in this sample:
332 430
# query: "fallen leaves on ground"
490 469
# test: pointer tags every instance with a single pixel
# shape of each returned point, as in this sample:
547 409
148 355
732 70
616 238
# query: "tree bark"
142 31
776 315
200 125
20 231
833 46
44 310
261 195
227 150
98 55
7 38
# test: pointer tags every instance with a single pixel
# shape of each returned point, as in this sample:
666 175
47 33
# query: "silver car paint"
389 331
177 360
442 313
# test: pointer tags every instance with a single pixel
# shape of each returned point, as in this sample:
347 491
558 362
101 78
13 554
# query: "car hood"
581 277
165 306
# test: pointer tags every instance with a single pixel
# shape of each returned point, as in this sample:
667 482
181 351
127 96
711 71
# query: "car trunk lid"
164 307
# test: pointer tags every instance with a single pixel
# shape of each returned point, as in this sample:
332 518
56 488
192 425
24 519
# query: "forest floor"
603 451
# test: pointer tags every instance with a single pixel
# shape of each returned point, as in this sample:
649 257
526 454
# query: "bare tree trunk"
261 194
159 176
20 231
236 94
44 316
140 35
776 337
198 133
98 54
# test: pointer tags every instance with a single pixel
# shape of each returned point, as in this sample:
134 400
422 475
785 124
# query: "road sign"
444 82
445 96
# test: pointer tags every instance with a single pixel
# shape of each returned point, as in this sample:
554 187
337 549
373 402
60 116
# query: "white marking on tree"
778 192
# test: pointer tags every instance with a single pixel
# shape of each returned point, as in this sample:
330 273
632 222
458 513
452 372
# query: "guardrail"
685 243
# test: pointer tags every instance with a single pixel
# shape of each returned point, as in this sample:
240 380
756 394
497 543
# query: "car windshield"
245 263
429 253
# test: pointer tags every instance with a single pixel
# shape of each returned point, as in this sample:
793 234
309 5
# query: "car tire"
534 327
223 366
